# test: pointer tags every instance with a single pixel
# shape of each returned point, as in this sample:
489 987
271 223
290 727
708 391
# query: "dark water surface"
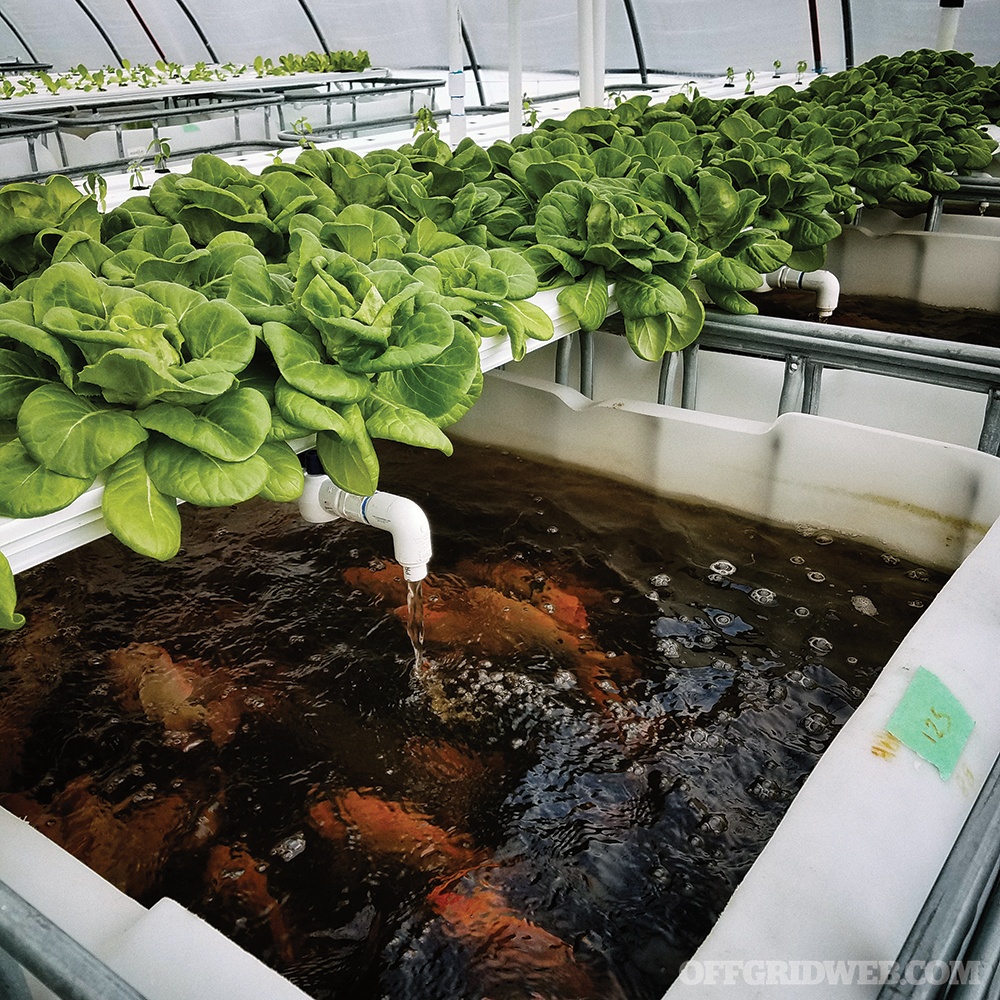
888 314
619 698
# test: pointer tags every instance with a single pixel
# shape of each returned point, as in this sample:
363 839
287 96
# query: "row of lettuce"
175 345
146 76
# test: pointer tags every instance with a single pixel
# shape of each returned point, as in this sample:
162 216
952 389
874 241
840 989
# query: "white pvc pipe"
825 284
585 32
600 49
515 82
948 28
322 500
456 75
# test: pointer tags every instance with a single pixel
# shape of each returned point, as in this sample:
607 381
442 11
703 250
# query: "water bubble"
717 823
915 604
291 847
653 595
723 619
659 580
723 567
763 596
820 645
815 577
919 574
610 654
852 659
806 530
668 647
552 529
890 558
802 612
765 789
823 540
615 600
564 680
715 578
797 560
799 679
816 722
549 609
864 605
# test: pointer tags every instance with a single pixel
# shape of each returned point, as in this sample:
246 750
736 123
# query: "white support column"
600 50
515 78
585 33
456 75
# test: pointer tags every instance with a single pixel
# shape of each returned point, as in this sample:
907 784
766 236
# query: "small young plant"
96 186
750 77
777 67
616 97
530 112
136 179
800 68
160 149
730 75
303 130
424 121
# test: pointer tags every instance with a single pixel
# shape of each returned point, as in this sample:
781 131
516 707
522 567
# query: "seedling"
424 121
161 153
730 74
136 180
96 186
303 130
777 66
750 76
800 68
530 112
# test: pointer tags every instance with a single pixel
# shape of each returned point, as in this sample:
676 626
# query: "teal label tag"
931 721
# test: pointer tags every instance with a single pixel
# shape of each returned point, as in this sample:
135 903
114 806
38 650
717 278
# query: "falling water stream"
415 619
540 772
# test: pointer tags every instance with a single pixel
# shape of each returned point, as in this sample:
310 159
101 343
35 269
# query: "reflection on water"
614 699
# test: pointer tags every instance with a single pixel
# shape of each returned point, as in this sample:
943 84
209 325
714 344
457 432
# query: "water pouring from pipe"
322 500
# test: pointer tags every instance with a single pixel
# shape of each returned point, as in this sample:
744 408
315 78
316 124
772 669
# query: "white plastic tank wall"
846 872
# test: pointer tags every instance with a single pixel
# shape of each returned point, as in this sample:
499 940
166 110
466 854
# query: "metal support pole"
689 383
793 384
989 437
666 370
456 75
585 33
563 350
811 389
587 363
515 78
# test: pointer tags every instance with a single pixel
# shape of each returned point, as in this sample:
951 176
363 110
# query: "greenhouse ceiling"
675 36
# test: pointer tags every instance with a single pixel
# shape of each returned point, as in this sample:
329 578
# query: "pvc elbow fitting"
825 284
322 501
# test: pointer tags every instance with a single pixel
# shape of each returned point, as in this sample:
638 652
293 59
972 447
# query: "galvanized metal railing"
30 941
809 349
